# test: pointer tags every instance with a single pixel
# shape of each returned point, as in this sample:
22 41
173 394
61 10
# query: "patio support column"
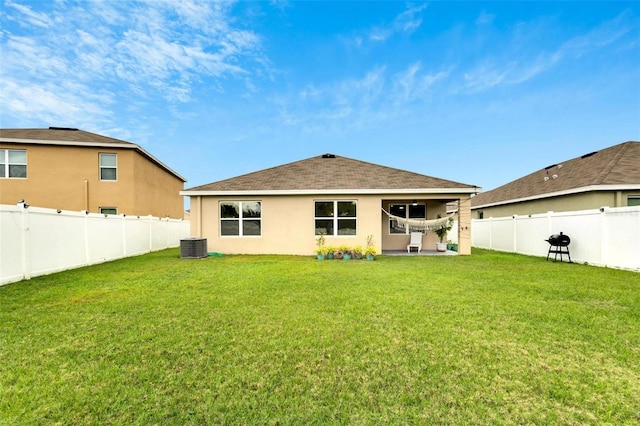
464 225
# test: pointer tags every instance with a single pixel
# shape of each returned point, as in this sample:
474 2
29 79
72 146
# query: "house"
609 177
71 169
282 210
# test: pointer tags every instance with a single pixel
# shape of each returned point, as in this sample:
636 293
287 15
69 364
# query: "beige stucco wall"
288 224
67 178
583 201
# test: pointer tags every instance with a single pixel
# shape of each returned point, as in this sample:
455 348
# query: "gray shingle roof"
75 137
616 165
61 134
333 173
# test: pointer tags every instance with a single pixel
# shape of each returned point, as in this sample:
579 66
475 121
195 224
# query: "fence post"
515 232
124 235
24 236
87 254
491 233
604 237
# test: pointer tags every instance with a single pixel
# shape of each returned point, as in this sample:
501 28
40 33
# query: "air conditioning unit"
193 248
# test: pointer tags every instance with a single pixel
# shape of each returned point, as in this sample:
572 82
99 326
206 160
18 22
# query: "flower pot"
320 256
441 246
370 257
346 256
330 256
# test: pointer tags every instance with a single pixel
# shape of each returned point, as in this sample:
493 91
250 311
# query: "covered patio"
402 216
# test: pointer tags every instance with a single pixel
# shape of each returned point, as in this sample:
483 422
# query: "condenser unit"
193 248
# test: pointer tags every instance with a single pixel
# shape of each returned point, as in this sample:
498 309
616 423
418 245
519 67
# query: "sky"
480 93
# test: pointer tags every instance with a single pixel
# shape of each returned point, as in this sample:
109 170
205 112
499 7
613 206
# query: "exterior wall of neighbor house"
68 178
156 192
582 201
288 224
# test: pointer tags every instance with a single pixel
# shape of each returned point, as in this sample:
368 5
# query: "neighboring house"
609 177
282 210
70 169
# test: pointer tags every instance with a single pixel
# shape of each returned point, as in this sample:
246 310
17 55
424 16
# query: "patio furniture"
416 241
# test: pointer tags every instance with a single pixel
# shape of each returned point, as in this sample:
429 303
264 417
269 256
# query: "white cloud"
406 22
485 18
28 16
143 49
518 63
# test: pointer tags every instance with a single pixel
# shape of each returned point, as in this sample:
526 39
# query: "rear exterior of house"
284 209
606 178
71 169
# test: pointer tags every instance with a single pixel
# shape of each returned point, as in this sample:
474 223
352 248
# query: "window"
13 163
108 166
407 211
335 217
633 200
109 210
240 218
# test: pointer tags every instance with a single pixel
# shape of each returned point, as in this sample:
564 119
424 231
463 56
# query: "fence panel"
531 233
502 234
622 225
603 237
36 241
12 244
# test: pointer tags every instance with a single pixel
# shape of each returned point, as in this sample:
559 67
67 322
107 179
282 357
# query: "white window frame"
107 167
241 219
335 218
407 205
4 160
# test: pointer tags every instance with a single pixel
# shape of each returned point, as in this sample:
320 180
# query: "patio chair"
416 241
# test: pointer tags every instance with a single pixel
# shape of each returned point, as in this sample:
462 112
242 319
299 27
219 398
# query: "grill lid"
559 240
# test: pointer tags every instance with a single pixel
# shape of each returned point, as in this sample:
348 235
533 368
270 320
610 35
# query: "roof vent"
589 154
63 128
328 156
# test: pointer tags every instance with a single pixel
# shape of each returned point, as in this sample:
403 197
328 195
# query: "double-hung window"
13 163
335 217
108 166
405 211
240 218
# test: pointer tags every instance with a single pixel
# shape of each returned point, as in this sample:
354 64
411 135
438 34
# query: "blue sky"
476 92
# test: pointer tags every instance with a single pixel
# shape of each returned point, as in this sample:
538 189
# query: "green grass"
491 338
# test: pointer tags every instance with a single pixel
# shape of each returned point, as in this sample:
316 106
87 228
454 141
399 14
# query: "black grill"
559 245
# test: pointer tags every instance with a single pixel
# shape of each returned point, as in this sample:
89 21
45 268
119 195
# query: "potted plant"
356 252
370 250
346 252
331 251
321 250
321 253
370 253
442 233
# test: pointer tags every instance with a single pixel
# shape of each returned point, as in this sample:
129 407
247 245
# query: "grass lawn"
491 338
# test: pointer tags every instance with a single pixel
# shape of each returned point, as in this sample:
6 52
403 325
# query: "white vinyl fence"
604 237
37 241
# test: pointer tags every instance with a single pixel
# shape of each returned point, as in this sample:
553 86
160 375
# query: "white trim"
326 192
621 187
125 145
